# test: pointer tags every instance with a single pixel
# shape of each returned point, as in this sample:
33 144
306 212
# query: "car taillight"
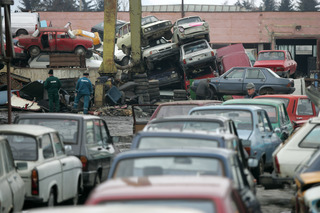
34 182
248 149
36 27
289 84
212 53
277 165
184 61
84 162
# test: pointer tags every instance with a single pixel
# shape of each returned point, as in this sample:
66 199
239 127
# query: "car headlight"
153 52
168 23
181 29
174 75
206 24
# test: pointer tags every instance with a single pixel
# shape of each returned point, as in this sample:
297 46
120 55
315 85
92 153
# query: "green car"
277 113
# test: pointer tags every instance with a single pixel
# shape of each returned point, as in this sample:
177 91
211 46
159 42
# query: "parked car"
167 109
87 136
312 199
254 129
185 162
94 36
157 50
299 107
276 111
100 27
20 58
207 194
50 176
307 176
190 28
151 29
48 39
196 55
121 58
279 61
234 82
292 153
231 56
11 184
43 61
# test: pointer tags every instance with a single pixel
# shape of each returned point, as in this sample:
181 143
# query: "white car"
43 61
288 156
50 176
12 190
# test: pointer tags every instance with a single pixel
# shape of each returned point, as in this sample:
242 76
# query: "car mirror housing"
277 130
68 149
252 162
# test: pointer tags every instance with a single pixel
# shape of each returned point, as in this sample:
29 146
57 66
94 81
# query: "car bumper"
33 199
272 181
89 178
195 35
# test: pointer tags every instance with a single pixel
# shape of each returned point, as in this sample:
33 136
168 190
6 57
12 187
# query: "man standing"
52 85
83 89
251 89
202 91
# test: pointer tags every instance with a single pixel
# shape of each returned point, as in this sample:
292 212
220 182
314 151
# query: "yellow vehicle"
94 36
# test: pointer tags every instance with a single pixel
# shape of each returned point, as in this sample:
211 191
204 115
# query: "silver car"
196 55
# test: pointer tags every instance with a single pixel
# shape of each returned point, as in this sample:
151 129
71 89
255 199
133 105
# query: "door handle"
63 164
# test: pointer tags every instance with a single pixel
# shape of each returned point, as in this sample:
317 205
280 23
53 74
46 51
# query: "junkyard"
191 108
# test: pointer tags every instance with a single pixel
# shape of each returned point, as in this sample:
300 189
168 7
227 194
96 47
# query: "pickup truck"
49 175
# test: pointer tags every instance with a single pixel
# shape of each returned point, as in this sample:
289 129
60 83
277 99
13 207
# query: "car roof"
282 96
162 187
56 116
238 107
206 118
28 129
190 102
254 101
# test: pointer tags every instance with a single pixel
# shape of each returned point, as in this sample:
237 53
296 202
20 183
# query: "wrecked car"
279 61
190 28
92 35
48 39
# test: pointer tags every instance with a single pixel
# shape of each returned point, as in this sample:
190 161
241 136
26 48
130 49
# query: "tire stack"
180 95
141 90
154 90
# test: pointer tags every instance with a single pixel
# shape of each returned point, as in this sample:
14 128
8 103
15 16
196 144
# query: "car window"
90 132
23 147
174 110
265 56
57 144
260 122
188 20
9 161
43 58
148 20
304 107
284 100
266 123
47 148
312 138
254 74
194 47
236 73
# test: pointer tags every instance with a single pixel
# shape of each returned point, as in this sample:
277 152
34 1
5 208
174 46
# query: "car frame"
190 28
234 81
279 61
215 190
260 150
12 186
49 174
49 39
82 134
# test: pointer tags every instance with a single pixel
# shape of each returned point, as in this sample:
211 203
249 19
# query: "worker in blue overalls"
83 89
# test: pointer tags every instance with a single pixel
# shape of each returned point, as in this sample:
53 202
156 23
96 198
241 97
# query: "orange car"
94 36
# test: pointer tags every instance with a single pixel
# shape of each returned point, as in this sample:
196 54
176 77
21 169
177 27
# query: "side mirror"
68 149
277 130
252 162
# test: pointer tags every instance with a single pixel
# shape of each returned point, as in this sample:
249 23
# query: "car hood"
154 23
192 24
272 63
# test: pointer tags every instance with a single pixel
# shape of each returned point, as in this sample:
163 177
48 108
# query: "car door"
15 181
285 123
64 42
52 41
232 82
69 178
5 192
255 76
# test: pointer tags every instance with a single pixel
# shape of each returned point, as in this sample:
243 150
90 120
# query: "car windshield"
174 142
23 147
266 56
241 118
194 47
168 165
148 20
189 20
272 73
186 125
312 139
205 206
271 111
67 128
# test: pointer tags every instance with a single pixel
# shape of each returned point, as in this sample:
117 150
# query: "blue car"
185 162
255 130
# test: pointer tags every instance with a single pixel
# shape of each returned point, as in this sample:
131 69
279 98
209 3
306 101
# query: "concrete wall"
225 27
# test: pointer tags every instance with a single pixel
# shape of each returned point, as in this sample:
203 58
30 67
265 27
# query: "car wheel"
51 200
126 50
125 61
259 170
88 54
80 51
21 32
168 35
34 51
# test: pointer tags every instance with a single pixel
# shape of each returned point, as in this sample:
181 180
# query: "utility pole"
182 8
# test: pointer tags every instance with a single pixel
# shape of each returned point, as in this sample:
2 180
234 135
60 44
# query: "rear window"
174 110
188 125
67 128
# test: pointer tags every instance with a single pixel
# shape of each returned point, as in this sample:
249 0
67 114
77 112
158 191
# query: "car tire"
126 50
52 199
125 61
88 54
21 32
80 51
34 51
259 170
168 35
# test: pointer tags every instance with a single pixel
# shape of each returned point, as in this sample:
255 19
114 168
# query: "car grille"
165 49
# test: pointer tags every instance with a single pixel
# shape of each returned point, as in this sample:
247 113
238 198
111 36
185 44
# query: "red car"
207 194
280 61
48 39
299 107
